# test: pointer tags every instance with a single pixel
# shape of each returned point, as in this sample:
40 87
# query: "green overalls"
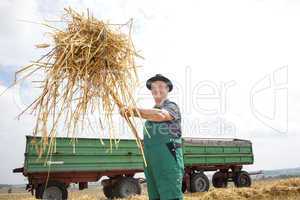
165 168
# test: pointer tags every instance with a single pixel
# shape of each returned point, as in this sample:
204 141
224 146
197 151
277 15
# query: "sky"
234 65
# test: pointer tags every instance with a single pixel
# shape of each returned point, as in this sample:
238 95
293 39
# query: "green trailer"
89 159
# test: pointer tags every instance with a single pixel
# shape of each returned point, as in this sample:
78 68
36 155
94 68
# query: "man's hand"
129 112
125 112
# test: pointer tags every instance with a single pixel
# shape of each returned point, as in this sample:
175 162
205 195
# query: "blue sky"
234 64
6 75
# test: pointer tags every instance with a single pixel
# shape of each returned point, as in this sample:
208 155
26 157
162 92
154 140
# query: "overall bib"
165 168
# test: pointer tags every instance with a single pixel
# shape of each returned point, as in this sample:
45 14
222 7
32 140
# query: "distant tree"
9 190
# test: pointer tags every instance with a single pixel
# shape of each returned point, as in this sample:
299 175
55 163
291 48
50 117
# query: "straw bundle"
90 69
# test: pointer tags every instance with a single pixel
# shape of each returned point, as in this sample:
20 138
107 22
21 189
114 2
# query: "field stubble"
284 189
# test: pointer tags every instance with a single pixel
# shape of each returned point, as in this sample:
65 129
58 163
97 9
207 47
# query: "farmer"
162 142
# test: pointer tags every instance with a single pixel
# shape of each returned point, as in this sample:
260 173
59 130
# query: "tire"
183 187
108 192
126 187
54 191
38 192
242 179
219 180
199 183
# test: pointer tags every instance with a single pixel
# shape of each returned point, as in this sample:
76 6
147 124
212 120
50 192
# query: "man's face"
159 89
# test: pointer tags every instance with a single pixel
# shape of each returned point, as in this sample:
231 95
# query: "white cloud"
220 41
12 136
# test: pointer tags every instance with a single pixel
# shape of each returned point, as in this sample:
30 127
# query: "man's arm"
153 114
157 115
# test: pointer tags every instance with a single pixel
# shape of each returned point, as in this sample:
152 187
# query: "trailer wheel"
55 191
183 187
39 192
199 183
242 179
108 192
126 187
219 180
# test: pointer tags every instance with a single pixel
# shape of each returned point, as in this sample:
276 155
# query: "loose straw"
89 69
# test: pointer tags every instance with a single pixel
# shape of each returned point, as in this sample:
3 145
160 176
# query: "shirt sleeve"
173 110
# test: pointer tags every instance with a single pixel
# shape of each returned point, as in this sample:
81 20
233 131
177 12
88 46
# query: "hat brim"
160 78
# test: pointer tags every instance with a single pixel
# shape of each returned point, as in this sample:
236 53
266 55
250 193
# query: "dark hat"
159 77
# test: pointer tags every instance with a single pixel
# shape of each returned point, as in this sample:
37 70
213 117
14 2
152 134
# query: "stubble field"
284 189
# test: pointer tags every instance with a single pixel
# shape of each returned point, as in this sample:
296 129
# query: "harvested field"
285 189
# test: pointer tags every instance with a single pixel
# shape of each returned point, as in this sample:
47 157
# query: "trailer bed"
89 159
93 155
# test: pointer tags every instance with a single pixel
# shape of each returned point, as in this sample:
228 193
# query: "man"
162 142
